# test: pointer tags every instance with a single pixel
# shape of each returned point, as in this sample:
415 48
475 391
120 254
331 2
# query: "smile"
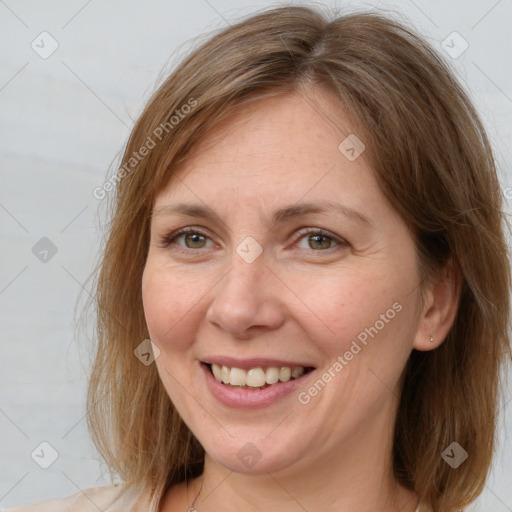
253 383
258 377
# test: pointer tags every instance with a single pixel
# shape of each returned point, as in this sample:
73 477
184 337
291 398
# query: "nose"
247 300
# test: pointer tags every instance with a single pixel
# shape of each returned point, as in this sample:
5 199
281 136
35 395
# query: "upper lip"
254 362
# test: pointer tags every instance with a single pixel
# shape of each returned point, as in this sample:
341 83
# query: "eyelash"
172 237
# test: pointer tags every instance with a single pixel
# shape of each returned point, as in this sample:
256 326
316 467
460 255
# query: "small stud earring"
431 339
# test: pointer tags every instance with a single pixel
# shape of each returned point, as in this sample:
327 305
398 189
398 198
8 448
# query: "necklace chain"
193 507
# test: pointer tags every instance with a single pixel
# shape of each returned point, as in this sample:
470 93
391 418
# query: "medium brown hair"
433 162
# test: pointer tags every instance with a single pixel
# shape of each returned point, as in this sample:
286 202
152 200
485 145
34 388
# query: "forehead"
283 146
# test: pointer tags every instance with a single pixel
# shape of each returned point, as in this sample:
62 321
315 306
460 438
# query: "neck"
357 476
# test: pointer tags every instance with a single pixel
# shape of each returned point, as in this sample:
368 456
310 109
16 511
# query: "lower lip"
247 398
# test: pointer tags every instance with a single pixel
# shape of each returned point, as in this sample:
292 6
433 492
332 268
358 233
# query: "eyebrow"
279 216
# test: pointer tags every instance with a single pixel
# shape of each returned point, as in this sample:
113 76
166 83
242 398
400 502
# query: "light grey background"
63 121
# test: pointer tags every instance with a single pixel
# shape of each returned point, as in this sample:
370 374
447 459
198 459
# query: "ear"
441 302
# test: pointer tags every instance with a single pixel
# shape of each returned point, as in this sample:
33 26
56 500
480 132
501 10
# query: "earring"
431 339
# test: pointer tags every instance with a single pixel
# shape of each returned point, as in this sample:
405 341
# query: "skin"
303 298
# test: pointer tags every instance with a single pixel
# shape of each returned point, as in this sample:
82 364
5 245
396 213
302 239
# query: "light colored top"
114 498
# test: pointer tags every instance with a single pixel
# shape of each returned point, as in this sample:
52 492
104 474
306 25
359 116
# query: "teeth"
285 374
255 377
225 374
272 375
297 372
237 377
217 372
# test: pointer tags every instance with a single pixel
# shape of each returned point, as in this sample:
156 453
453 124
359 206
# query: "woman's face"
293 259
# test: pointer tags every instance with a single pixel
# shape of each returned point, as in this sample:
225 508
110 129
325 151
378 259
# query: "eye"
320 240
191 239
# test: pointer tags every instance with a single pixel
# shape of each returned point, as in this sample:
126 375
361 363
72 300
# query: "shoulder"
113 498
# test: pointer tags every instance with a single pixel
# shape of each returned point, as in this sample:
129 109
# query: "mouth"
257 377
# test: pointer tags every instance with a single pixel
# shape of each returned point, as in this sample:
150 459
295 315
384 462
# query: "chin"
252 457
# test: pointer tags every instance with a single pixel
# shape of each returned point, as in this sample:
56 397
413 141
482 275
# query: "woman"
304 296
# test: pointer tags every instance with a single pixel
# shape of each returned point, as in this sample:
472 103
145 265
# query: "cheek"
171 307
337 300
350 306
